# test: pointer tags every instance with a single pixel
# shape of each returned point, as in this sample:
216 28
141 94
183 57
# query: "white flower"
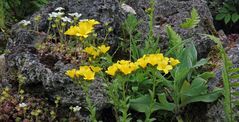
76 109
56 14
25 23
22 105
128 8
59 9
66 19
77 15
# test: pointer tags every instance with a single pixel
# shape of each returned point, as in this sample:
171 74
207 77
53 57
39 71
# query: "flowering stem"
152 95
124 100
91 108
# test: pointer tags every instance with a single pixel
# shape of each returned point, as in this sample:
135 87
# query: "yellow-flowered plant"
164 64
83 29
87 72
102 49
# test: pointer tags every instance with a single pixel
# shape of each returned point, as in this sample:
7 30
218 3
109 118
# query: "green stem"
89 104
152 96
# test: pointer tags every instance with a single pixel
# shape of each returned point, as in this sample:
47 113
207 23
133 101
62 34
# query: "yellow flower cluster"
83 29
88 72
96 51
164 64
124 66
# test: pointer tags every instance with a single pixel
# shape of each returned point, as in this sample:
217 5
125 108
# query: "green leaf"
209 97
227 18
193 21
207 75
141 104
234 76
233 70
220 16
174 38
200 63
235 84
223 10
197 87
185 87
164 104
235 17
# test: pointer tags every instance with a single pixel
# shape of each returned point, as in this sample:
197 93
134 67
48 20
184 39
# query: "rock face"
174 12
53 82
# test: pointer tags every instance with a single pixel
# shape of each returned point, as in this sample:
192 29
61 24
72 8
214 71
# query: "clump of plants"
147 81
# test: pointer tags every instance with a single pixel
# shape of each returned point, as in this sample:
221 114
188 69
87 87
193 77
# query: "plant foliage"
193 21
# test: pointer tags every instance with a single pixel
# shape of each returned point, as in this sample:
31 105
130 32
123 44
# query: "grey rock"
50 79
174 12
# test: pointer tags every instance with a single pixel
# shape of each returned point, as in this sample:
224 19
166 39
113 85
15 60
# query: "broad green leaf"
227 18
185 87
197 87
201 63
209 97
220 16
207 75
164 104
235 17
141 104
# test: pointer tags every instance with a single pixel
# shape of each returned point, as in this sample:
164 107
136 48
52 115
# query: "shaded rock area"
52 81
174 12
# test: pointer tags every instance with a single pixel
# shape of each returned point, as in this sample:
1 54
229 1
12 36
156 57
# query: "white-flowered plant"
77 15
56 14
25 22
59 9
66 19
22 105
76 109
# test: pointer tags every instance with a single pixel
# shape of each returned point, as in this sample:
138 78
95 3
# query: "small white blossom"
66 19
25 23
128 8
77 15
22 105
76 109
56 14
59 9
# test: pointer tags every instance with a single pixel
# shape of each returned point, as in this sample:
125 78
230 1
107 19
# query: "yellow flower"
163 66
71 73
174 62
112 70
142 62
153 59
83 29
82 70
72 31
89 75
95 69
123 62
103 48
93 22
92 51
126 67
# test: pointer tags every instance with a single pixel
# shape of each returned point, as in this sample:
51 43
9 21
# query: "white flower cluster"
59 13
75 109
25 22
22 105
